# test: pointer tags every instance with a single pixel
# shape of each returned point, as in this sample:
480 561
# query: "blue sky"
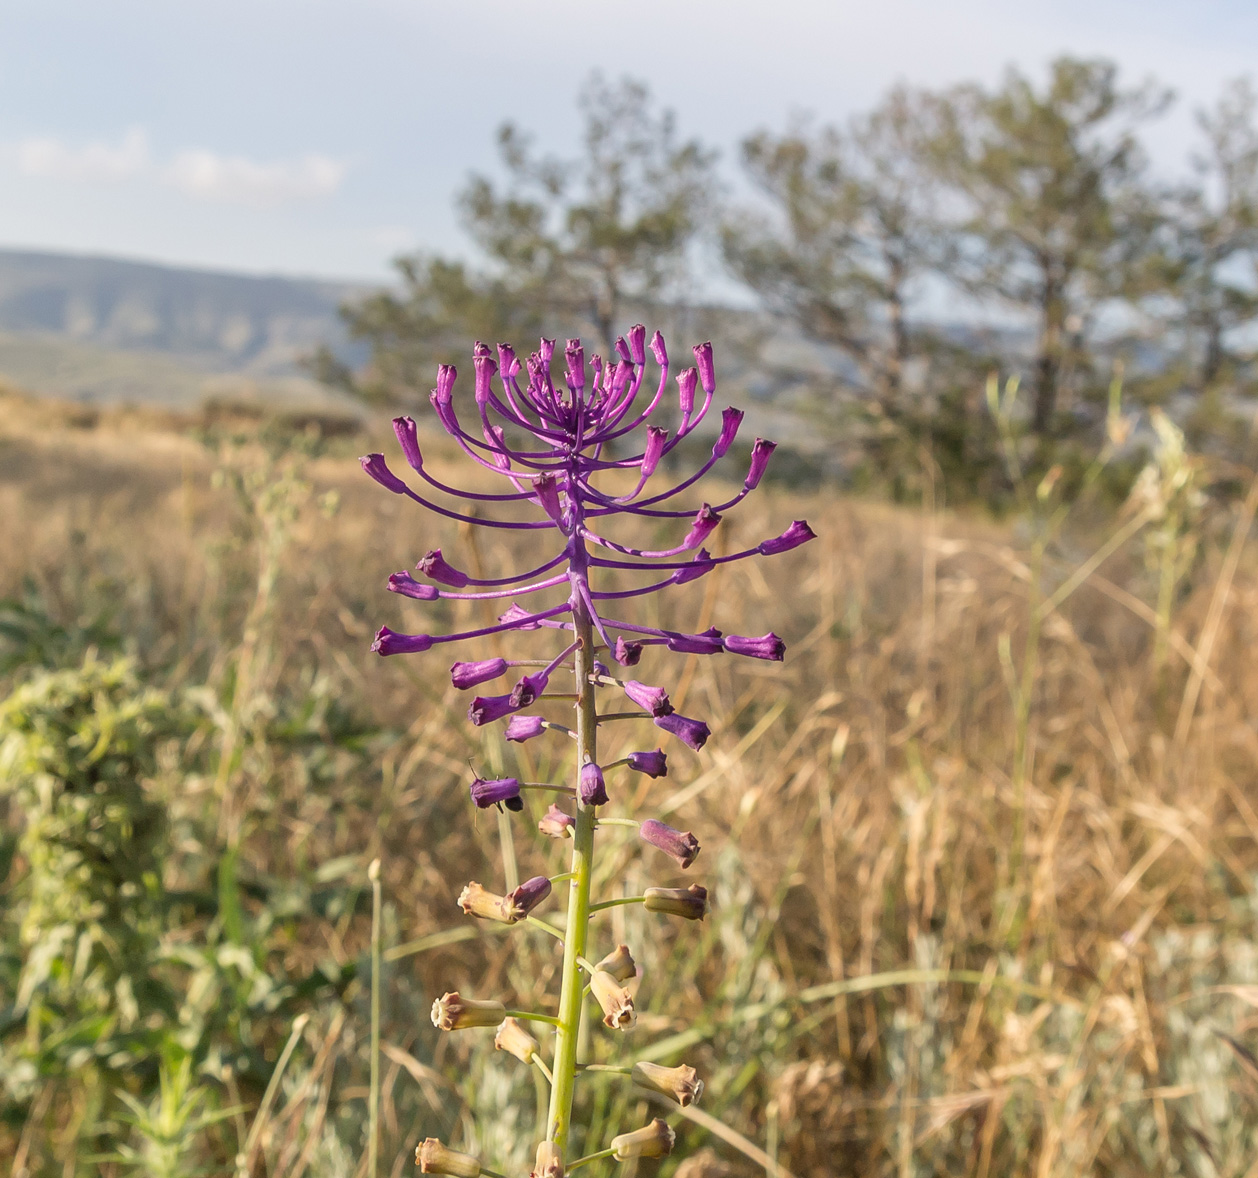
323 136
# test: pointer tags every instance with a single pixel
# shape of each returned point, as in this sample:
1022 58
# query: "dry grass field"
983 850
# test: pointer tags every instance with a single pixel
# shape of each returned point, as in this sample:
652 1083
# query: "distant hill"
102 329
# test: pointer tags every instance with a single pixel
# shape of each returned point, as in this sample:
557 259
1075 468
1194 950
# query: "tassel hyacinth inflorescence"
558 447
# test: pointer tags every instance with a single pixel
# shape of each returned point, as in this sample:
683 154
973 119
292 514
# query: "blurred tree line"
932 240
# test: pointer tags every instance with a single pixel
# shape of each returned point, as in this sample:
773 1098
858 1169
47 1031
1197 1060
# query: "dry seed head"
681 1083
619 963
616 1001
549 1162
451 1012
651 1141
434 1158
514 1038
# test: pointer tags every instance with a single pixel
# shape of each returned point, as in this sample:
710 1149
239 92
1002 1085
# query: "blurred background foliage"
983 851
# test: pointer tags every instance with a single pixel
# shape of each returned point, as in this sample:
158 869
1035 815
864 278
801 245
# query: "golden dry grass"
1045 965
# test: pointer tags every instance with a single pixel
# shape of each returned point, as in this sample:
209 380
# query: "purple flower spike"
709 642
707 370
500 790
731 419
434 567
649 699
406 585
798 533
522 728
593 787
761 452
627 654
692 733
702 563
486 709
465 675
654 764
391 642
681 844
375 466
704 524
408 439
769 647
686 382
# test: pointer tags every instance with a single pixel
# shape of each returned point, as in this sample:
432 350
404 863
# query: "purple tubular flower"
499 790
701 564
406 585
485 369
520 901
704 524
686 381
637 344
709 642
692 733
547 489
434 567
574 354
761 452
486 709
408 439
798 533
658 350
528 689
656 436
769 647
514 614
649 699
653 764
627 654
390 642
465 675
707 370
731 419
522 728
593 787
375 465
680 844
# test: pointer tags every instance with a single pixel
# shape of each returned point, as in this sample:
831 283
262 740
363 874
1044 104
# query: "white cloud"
94 163
238 180
196 172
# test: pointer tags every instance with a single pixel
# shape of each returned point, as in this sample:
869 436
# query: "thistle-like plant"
558 448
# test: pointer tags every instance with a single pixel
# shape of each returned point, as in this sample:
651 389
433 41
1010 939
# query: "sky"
323 137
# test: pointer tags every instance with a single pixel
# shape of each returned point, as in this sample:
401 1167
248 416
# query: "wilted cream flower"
619 963
514 1038
651 1141
549 1162
681 1083
434 1158
616 1001
451 1012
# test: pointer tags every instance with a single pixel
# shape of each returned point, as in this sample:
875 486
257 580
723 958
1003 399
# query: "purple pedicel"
500 790
593 787
465 675
407 586
522 728
681 844
769 647
571 442
650 699
653 764
693 733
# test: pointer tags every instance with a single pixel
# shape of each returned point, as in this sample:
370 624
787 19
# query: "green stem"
618 821
615 903
537 1059
607 1067
373 1111
565 1059
545 926
590 1157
